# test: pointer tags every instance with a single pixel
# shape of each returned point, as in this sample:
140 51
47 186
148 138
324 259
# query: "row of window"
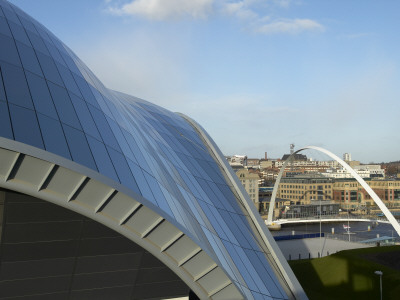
370 183
304 187
304 193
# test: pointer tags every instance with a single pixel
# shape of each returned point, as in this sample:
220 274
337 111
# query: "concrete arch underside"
92 195
50 252
361 181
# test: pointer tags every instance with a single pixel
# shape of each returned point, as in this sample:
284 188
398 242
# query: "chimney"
266 157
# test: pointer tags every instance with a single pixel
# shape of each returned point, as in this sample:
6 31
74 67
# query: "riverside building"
345 191
350 194
303 190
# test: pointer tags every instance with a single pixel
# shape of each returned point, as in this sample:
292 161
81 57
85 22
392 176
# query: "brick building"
350 194
303 190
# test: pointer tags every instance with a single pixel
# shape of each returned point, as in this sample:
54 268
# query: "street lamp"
380 273
320 225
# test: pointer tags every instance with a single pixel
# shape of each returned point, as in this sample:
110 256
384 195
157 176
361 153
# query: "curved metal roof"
160 167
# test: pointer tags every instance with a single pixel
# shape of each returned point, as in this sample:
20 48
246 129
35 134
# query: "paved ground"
306 247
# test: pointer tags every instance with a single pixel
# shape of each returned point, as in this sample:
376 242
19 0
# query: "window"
29 59
9 52
4 29
123 171
5 127
104 128
64 106
15 85
68 79
19 33
41 95
23 118
53 136
84 116
49 68
79 147
101 155
37 43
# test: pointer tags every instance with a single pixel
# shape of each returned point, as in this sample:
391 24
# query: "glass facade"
50 100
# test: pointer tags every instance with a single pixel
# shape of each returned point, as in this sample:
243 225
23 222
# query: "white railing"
326 218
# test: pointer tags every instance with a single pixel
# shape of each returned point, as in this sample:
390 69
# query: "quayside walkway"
330 219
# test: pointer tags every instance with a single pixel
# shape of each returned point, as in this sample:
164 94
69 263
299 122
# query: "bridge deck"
328 220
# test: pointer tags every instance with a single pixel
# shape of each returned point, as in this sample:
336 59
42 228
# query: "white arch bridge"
390 218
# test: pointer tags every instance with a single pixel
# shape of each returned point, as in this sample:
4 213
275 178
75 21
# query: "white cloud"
249 11
239 9
254 13
165 9
294 26
283 3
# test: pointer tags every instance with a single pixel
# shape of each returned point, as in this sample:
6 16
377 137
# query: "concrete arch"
48 177
361 181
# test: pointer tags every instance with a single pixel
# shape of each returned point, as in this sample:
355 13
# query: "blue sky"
256 74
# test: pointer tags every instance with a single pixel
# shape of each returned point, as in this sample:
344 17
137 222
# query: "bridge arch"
361 181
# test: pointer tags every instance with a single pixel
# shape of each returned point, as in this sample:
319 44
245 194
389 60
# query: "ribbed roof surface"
50 100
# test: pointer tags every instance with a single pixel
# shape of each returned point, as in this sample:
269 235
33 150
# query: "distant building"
238 160
343 173
350 194
347 157
365 171
325 208
353 163
250 183
296 156
266 164
303 190
253 163
374 170
269 174
310 164
345 191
